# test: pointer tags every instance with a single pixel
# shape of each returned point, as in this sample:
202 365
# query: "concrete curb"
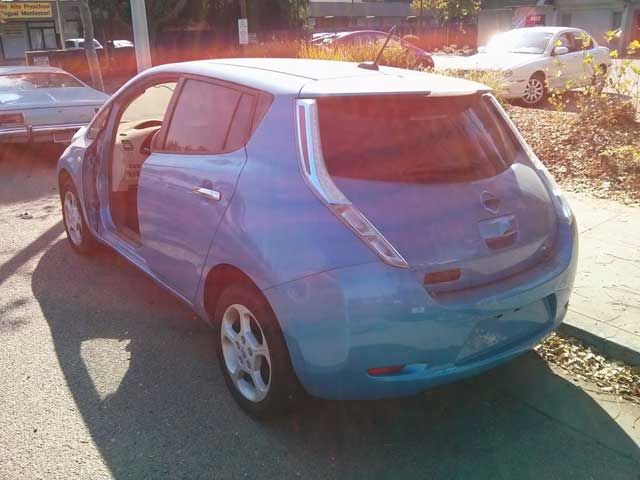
607 346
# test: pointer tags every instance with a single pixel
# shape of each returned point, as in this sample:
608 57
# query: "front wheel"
252 352
78 234
535 92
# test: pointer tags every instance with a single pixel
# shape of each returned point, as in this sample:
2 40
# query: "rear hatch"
443 179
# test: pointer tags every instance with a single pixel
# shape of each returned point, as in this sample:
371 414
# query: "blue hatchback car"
351 233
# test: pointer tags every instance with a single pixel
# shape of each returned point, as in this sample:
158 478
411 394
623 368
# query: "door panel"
177 223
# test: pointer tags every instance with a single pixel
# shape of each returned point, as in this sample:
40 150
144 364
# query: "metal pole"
60 27
140 34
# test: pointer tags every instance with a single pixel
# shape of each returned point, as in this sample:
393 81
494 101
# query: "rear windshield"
414 138
30 81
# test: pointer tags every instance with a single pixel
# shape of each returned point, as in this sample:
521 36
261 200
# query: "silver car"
44 104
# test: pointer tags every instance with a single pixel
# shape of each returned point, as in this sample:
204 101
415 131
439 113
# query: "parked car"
78 43
371 37
535 59
44 104
120 44
362 234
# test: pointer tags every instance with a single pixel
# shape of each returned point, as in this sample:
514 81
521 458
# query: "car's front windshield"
520 41
31 81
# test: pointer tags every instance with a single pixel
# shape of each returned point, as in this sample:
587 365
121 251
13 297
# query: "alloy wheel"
246 353
72 217
534 91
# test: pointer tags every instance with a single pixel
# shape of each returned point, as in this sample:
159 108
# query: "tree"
446 10
89 48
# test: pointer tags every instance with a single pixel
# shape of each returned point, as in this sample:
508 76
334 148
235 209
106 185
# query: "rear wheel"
252 352
535 92
78 234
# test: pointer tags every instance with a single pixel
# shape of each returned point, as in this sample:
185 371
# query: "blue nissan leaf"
348 232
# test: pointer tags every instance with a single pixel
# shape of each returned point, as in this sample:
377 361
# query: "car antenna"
374 65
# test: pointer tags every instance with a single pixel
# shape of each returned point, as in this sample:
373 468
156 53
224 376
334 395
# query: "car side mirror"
483 49
560 50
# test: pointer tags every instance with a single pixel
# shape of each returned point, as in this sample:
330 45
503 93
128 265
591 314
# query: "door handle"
207 193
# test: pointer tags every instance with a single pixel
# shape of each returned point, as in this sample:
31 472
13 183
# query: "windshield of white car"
32 81
520 41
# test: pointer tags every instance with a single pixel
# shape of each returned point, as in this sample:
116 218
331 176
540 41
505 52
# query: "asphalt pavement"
106 376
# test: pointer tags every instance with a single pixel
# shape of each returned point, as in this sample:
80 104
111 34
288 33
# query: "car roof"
307 77
30 69
551 29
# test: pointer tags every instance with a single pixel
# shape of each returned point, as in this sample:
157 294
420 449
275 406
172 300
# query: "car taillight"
11 119
563 210
317 177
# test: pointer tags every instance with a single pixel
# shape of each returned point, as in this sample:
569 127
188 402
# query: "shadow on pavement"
145 378
27 172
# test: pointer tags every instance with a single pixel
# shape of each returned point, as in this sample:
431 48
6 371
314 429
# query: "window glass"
414 139
202 118
241 124
520 40
565 40
149 106
30 81
583 41
98 124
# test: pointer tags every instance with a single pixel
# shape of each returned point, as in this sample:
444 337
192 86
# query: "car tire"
253 355
535 93
80 237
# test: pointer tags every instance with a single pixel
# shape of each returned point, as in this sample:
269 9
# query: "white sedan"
533 60
44 104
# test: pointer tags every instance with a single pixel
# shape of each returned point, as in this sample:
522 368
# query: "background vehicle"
78 43
421 241
44 104
120 43
533 60
371 37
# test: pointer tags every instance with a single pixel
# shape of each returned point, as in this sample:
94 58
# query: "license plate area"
62 137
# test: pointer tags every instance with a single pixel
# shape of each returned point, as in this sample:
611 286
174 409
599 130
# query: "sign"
535 20
243 31
18 11
40 60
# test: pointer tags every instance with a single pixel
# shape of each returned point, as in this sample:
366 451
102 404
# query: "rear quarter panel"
275 229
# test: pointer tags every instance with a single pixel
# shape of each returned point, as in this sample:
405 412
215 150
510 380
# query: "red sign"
534 20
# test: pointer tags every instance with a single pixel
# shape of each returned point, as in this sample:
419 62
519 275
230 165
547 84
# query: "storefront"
34 26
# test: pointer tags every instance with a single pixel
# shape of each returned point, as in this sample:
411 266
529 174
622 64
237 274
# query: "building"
337 15
26 25
595 16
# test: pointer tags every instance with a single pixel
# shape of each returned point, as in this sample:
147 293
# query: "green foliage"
446 10
607 97
492 79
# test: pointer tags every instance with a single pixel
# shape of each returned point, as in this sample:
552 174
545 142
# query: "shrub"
393 57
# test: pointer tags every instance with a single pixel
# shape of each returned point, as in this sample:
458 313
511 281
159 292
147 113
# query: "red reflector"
442 276
11 119
376 372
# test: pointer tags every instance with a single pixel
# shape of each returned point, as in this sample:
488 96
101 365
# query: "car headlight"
507 73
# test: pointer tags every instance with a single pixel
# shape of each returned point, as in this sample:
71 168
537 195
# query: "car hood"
485 61
51 97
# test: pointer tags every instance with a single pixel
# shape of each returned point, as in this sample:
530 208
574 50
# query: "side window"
98 124
202 117
150 106
583 41
565 40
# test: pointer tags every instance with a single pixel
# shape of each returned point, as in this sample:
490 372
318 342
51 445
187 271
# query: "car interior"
139 124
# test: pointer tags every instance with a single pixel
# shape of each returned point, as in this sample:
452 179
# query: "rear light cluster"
317 177
10 119
563 210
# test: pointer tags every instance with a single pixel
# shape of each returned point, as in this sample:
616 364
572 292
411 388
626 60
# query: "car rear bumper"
40 133
340 323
